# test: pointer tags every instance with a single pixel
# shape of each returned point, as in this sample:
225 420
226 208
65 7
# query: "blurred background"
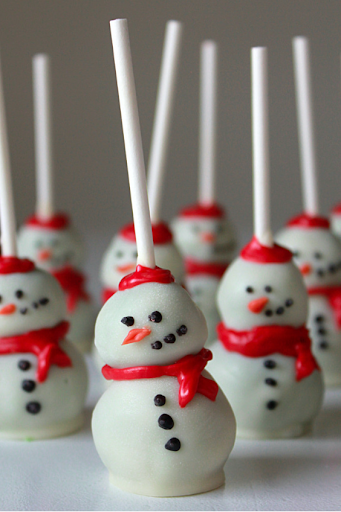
90 167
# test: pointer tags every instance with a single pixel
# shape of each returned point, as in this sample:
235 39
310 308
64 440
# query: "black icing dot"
155 317
35 305
271 405
319 319
322 331
332 268
181 331
128 321
271 382
156 345
324 345
318 255
280 311
23 311
249 289
173 444
33 407
19 294
170 338
166 422
270 364
44 301
289 302
28 385
159 400
268 289
320 272
268 312
24 365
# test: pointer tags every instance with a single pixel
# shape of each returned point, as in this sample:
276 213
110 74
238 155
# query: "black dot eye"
128 321
317 255
268 289
155 317
19 294
295 254
119 254
249 289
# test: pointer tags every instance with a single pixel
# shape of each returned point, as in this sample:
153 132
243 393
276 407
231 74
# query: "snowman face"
317 253
29 301
50 249
204 239
150 324
253 294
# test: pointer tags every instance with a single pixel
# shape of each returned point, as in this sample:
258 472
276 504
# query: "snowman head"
262 287
316 251
30 299
151 320
53 244
204 233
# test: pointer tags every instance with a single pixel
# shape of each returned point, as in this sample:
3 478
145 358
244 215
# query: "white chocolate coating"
125 424
318 253
61 396
267 402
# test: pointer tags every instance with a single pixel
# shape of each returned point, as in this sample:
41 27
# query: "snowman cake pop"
48 238
202 231
317 251
263 360
120 257
43 376
163 428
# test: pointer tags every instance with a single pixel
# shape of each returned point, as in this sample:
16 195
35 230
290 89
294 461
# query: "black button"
323 345
322 331
28 385
155 317
166 422
33 407
270 364
156 345
182 330
173 445
272 404
159 400
24 365
271 382
170 338
319 319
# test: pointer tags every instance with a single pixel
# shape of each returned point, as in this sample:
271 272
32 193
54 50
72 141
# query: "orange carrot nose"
8 309
305 269
126 268
257 305
44 254
136 335
208 237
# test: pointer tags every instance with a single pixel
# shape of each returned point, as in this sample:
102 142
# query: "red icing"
258 253
72 281
14 265
107 293
146 275
58 221
44 343
337 209
265 340
306 221
333 294
187 370
201 210
161 233
194 267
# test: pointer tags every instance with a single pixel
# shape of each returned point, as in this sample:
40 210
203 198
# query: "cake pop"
263 360
163 428
48 238
202 231
43 376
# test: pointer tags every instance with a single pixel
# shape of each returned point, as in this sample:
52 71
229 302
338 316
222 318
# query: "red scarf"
271 339
187 370
44 343
72 282
333 294
213 269
107 293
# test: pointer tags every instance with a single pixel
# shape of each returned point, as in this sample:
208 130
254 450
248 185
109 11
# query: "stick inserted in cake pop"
207 122
133 141
260 143
43 135
305 124
163 116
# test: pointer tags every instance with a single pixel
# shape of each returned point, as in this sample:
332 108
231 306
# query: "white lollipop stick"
207 122
43 137
305 125
260 142
8 224
163 116
133 141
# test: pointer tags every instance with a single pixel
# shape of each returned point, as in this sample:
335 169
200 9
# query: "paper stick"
207 122
8 224
163 117
260 143
43 136
133 141
305 125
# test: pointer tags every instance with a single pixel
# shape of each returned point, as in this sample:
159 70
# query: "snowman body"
268 399
317 253
150 444
34 409
55 250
